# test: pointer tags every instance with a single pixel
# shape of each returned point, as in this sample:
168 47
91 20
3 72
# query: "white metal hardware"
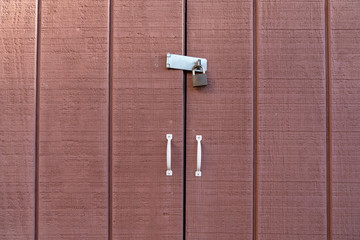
184 62
198 171
168 155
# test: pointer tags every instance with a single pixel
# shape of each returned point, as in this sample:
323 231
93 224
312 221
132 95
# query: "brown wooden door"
147 104
219 204
86 102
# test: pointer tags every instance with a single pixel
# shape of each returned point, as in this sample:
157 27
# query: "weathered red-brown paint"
287 121
73 120
219 204
345 118
291 120
147 104
17 118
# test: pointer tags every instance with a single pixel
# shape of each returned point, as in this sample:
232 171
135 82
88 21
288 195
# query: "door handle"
168 155
198 171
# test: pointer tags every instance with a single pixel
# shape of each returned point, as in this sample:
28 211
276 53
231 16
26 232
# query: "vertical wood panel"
147 104
73 120
291 120
219 203
345 117
17 118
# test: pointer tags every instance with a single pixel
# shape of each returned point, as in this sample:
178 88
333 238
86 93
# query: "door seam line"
110 116
255 125
328 122
37 121
184 115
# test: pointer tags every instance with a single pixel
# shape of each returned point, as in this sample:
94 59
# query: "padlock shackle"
196 66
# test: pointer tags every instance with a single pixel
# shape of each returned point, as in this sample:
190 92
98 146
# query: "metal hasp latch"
184 62
190 64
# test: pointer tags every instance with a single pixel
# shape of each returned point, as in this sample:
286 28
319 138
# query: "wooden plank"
147 104
73 120
291 120
219 203
17 118
345 118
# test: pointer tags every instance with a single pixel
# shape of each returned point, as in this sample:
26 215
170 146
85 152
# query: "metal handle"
198 171
168 155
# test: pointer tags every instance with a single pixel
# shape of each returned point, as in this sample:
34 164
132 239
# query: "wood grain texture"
17 118
219 203
291 120
147 104
345 118
73 120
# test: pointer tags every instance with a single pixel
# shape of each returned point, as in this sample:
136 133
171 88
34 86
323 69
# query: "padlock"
199 79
